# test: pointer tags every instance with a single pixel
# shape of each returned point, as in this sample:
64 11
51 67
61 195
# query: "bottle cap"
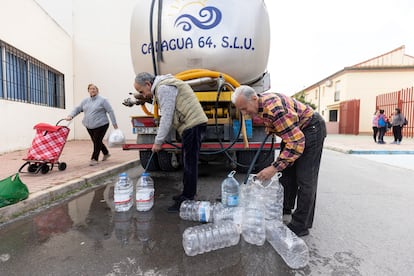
124 174
145 174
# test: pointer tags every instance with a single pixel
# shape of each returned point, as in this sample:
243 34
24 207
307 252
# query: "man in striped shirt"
303 132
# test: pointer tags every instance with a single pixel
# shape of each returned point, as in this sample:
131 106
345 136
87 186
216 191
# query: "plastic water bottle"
290 247
123 193
253 220
230 191
273 194
201 211
222 213
144 197
211 236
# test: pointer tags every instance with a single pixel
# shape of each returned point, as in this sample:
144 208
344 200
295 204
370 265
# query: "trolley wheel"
44 169
167 161
32 168
62 166
144 156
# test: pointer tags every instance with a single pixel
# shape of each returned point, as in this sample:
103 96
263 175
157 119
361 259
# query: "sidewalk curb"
47 197
337 149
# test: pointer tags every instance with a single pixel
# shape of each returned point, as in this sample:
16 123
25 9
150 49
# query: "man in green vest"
182 111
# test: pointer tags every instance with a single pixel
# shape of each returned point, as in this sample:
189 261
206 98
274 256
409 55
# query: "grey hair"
143 77
243 90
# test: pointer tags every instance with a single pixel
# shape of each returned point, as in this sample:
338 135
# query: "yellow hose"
200 73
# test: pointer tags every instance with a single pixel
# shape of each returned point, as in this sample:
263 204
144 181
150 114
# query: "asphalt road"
362 226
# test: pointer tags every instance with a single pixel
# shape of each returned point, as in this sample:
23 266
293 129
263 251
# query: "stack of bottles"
257 217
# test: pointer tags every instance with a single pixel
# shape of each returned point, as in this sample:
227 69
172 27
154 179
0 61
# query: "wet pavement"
78 176
360 228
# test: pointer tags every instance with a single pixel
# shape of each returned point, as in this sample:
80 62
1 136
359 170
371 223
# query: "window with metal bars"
26 79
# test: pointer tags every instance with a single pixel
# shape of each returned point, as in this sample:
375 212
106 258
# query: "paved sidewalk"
364 144
45 188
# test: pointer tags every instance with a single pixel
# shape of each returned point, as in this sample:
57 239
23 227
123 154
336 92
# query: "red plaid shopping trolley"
46 148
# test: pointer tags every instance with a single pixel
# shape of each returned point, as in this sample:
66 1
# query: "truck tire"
165 161
144 156
245 158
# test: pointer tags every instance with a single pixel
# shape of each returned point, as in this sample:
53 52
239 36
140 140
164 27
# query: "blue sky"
314 39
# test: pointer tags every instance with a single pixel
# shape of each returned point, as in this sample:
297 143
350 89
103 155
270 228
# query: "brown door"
349 117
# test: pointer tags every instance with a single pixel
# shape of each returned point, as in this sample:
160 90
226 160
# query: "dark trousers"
397 132
300 180
97 135
191 144
375 133
381 133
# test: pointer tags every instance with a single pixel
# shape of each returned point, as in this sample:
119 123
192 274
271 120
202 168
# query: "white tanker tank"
230 36
214 45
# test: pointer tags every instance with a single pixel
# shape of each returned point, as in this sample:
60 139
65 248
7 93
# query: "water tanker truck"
214 46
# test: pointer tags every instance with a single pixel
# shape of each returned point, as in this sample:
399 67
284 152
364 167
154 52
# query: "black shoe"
176 197
287 211
175 208
299 232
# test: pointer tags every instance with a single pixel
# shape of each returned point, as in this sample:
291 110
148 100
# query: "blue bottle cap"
124 174
145 174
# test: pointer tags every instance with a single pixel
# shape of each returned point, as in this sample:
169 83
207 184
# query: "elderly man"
180 109
303 132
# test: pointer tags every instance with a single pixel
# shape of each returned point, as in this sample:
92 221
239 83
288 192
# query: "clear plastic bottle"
222 213
207 237
290 247
253 219
144 197
194 210
123 193
273 193
230 191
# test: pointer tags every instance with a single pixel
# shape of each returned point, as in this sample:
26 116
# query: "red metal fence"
403 99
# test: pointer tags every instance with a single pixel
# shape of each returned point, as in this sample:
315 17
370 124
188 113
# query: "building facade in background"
347 99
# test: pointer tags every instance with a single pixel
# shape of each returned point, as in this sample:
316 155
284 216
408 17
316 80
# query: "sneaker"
395 142
105 157
398 142
93 162
299 232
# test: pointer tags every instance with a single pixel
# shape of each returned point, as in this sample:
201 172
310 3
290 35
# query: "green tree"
300 96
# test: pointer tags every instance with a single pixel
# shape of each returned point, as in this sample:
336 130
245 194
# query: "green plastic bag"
12 190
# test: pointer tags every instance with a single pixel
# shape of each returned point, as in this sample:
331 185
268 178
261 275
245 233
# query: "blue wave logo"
209 18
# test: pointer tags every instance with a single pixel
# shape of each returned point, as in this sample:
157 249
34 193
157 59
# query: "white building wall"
366 86
87 41
27 27
102 56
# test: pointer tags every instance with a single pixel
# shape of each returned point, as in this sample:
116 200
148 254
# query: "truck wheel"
168 161
144 156
246 157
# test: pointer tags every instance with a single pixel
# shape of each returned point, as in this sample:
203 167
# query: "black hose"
149 161
154 63
255 158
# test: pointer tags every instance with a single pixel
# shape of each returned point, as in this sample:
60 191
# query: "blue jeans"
191 144
300 180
